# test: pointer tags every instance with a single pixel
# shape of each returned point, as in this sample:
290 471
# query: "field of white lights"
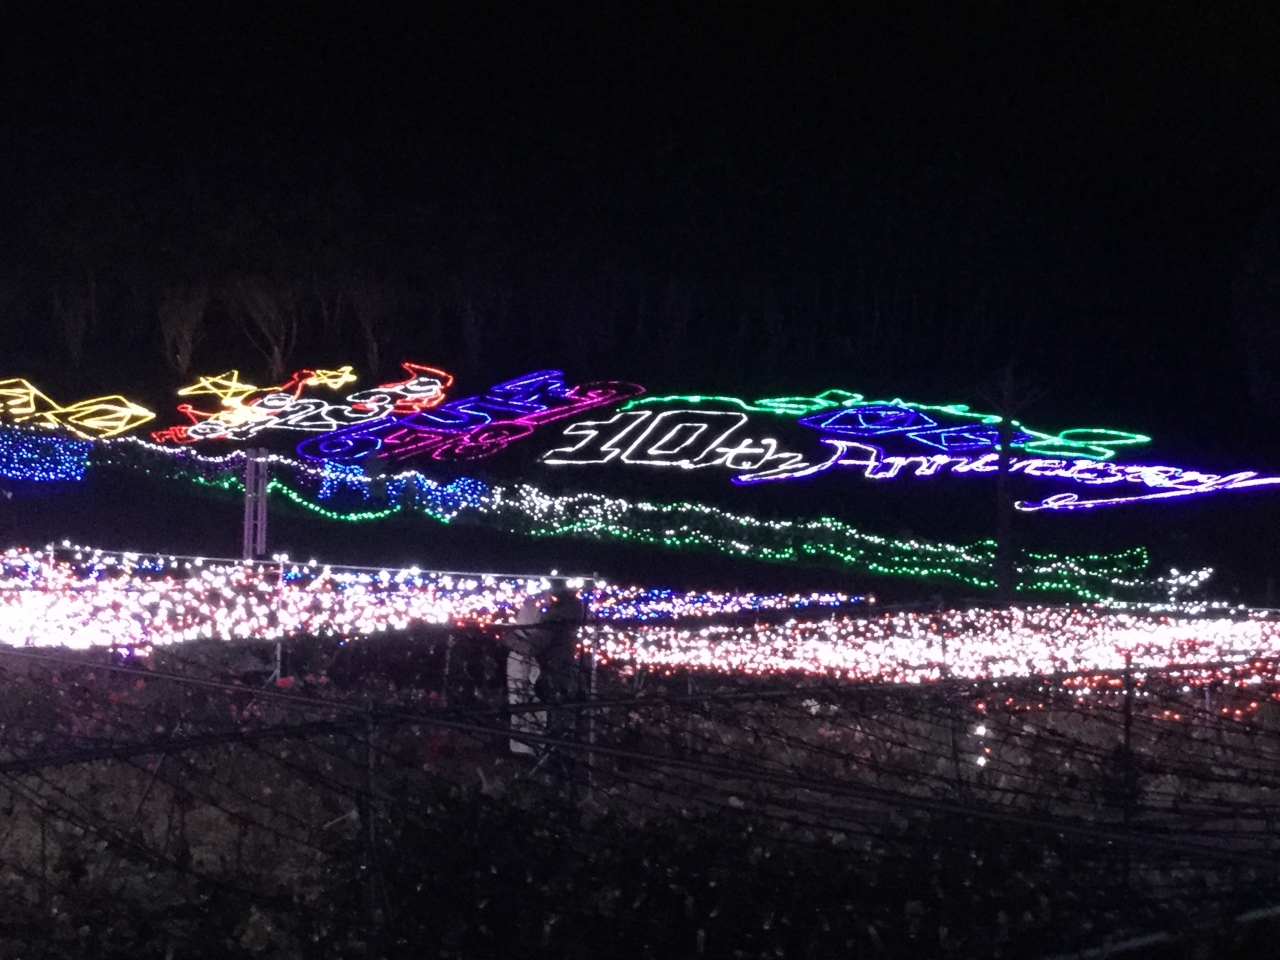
78 598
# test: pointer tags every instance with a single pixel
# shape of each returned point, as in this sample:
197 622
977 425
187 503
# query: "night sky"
895 198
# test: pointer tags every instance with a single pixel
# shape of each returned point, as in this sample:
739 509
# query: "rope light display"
21 402
689 439
408 419
471 428
692 437
343 469
951 427
526 509
245 411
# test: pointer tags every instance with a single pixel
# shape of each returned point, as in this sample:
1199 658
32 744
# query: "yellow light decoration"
94 419
332 379
225 386
247 409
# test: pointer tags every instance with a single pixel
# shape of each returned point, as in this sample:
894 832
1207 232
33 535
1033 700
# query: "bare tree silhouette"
182 313
75 310
373 302
269 318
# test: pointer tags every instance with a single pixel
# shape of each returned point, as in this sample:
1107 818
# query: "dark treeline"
895 200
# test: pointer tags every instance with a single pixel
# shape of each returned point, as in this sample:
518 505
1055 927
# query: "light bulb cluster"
527 510
81 597
638 604
949 426
75 597
469 428
41 457
971 644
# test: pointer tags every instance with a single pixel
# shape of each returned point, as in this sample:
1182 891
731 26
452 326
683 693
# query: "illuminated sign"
246 411
768 440
688 439
951 427
857 433
470 428
21 402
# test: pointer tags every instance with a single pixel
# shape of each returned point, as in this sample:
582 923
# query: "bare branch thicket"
75 310
331 301
182 312
472 312
373 303
269 318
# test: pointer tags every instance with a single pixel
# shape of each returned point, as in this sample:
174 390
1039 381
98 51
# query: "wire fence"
185 802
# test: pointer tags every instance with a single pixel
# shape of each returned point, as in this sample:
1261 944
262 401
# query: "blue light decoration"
655 605
768 440
857 433
852 416
524 509
339 476
42 457
470 428
245 410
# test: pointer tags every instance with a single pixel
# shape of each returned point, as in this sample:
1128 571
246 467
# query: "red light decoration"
246 410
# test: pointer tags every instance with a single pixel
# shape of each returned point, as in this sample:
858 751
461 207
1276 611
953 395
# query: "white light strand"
80 597
972 644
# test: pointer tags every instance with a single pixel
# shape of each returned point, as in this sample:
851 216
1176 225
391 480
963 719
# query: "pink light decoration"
82 598
472 428
246 410
77 597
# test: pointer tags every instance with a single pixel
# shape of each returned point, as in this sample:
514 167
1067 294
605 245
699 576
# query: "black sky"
895 198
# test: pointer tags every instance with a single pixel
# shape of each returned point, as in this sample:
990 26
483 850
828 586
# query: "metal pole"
370 838
1129 778
950 694
591 719
254 536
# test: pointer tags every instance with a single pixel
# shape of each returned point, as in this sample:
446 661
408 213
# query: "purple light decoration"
470 428
694 439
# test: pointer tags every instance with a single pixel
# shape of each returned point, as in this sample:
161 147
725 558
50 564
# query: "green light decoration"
685 525
276 486
780 406
526 510
355 516
1089 443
